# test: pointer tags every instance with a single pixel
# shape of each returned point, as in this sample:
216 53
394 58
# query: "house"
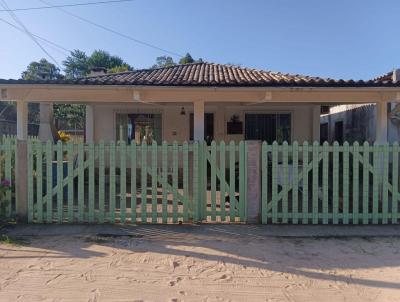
192 103
357 122
201 100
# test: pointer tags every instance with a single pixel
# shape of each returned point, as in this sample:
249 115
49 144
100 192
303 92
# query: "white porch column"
21 184
198 121
381 122
316 123
46 120
22 120
89 124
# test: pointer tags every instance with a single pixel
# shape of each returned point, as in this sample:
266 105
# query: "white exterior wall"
176 126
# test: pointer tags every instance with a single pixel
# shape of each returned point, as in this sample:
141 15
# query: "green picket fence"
120 183
330 184
7 172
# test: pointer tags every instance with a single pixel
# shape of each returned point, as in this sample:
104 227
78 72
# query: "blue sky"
356 39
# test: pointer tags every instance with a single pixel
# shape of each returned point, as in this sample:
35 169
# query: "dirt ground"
206 263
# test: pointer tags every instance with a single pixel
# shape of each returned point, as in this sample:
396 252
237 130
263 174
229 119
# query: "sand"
165 265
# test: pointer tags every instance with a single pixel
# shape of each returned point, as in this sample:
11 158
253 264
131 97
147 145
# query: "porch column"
381 136
198 120
316 123
89 124
21 184
46 120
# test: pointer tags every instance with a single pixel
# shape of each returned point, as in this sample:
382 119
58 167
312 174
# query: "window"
268 127
139 128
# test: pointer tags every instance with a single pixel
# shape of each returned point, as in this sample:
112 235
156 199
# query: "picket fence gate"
314 184
129 183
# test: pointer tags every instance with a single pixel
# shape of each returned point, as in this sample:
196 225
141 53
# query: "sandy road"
167 265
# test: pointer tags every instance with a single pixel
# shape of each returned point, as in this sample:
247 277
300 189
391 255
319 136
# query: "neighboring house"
202 101
357 122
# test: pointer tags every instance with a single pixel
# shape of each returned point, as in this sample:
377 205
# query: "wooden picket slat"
154 150
164 182
264 182
335 183
71 158
39 182
232 198
60 177
122 168
395 181
315 197
111 207
133 156
285 152
49 181
222 189
365 191
355 201
81 184
385 180
196 180
102 192
91 180
175 182
213 164
143 183
295 182
30 182
274 182
186 207
305 150
376 184
346 182
325 182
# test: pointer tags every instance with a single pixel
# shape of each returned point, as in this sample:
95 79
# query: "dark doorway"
339 132
208 127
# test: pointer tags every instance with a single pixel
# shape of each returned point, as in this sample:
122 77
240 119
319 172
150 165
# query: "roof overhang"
74 93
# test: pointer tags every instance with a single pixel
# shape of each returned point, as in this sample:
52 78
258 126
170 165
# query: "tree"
164 61
76 65
187 59
41 70
121 68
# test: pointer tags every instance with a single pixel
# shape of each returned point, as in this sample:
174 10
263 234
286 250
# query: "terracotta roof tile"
213 75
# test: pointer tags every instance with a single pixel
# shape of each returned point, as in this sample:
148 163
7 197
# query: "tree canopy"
78 64
41 70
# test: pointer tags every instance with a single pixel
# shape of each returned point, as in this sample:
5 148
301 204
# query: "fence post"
21 180
253 197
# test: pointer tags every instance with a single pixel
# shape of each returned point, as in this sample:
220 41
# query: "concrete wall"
176 126
359 123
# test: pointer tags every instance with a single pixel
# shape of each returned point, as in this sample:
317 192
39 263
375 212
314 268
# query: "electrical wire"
116 32
64 5
58 47
3 3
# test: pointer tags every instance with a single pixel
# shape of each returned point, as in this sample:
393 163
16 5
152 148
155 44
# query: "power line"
64 5
3 3
58 47
116 32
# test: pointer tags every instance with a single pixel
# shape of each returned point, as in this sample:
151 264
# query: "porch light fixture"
183 112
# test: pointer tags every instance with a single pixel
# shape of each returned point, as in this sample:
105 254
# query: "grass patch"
13 240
